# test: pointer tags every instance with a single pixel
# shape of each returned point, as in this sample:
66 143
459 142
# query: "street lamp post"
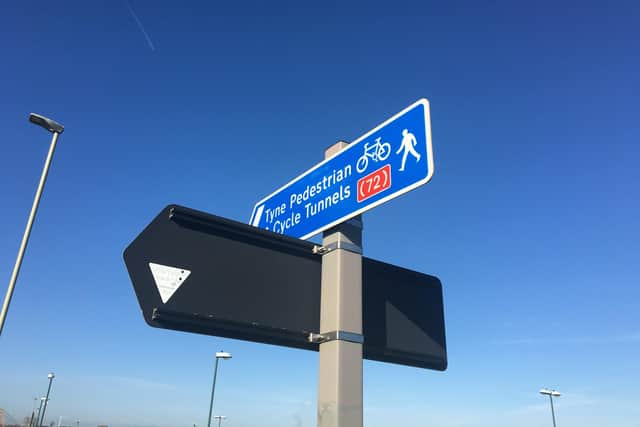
37 420
33 412
219 418
551 394
219 355
56 129
51 376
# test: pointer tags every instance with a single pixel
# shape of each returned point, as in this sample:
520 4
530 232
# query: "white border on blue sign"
427 121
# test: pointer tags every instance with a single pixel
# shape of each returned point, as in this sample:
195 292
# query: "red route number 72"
374 183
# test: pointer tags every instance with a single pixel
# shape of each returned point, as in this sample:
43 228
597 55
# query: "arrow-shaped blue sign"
384 163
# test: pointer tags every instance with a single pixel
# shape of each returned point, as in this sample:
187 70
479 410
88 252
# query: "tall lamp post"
37 420
551 394
33 412
51 376
56 129
219 418
219 355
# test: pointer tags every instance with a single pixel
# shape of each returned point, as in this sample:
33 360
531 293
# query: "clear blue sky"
532 219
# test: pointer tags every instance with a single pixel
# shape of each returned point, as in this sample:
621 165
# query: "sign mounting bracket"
336 336
339 244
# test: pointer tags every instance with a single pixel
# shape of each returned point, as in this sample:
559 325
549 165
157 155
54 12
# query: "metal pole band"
340 244
336 336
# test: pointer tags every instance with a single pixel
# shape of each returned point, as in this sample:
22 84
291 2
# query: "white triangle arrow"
168 279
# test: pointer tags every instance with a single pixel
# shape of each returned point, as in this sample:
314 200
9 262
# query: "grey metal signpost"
340 370
181 263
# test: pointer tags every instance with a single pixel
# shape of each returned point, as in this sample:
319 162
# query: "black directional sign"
200 273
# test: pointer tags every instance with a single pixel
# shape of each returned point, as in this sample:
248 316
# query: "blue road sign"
386 162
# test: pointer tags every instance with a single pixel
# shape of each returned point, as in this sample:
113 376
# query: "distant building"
7 420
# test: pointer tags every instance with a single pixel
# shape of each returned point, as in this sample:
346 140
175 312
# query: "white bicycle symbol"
377 152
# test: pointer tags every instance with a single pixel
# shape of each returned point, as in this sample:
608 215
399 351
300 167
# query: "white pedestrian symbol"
407 144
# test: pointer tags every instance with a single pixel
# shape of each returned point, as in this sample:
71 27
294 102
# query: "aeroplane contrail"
140 26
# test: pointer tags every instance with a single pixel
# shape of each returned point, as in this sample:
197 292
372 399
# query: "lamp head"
223 355
51 375
45 122
548 392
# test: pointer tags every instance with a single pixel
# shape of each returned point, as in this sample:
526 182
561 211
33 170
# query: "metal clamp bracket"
350 247
336 336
